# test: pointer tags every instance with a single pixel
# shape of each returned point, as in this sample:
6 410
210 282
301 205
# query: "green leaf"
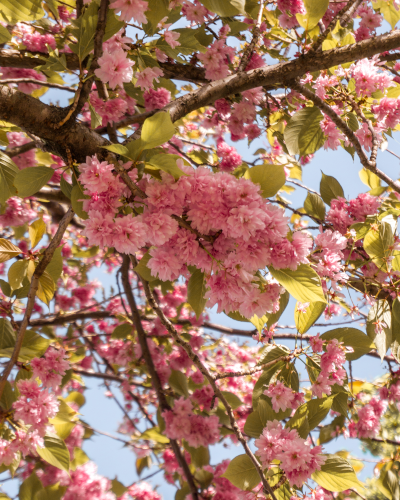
225 8
46 288
315 12
122 331
66 187
30 180
330 189
304 283
157 130
271 352
8 171
8 250
142 268
336 475
118 488
351 337
195 292
7 334
5 288
303 134
36 232
305 320
154 434
24 10
22 292
233 400
178 382
113 25
55 266
85 31
30 487
118 149
167 163
55 452
389 11
33 344
17 273
270 178
200 456
299 421
95 119
369 178
263 381
258 419
5 35
314 206
242 473
378 244
283 302
380 312
318 409
76 397
77 205
8 397
52 492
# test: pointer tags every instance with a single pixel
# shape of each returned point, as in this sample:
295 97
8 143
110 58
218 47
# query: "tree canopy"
142 175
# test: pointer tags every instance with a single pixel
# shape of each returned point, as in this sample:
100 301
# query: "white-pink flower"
115 68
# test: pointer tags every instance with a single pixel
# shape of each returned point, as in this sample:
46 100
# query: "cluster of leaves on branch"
139 176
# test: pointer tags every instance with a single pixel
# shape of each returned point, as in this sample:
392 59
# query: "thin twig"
37 82
41 267
155 379
323 106
204 370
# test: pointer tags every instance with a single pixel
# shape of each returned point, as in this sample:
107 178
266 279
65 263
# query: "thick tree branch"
41 267
24 59
35 117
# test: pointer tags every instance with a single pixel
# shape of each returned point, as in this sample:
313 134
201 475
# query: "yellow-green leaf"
17 273
46 288
195 292
55 452
36 232
305 320
8 250
30 180
270 178
304 283
336 475
157 130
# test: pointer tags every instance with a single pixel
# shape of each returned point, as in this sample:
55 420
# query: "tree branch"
326 109
155 379
41 267
211 379
37 82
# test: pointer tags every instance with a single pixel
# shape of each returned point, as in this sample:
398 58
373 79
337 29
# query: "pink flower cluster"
369 417
35 42
251 233
51 368
115 68
289 9
298 459
131 9
344 213
283 397
182 423
217 58
369 77
143 491
329 265
332 371
35 405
